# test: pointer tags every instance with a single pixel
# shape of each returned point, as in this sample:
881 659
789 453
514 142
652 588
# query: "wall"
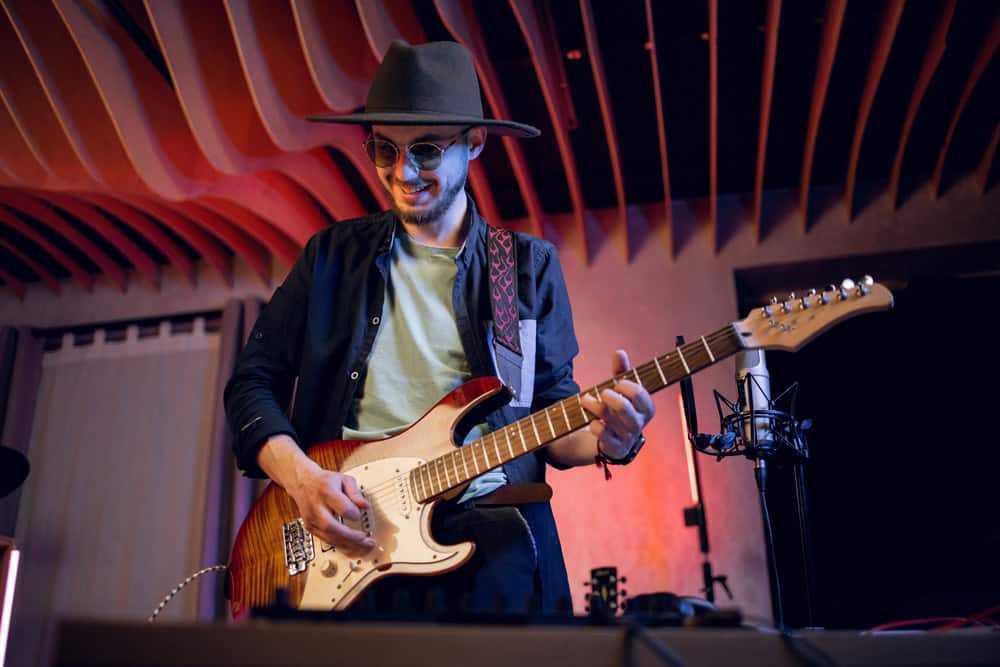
634 520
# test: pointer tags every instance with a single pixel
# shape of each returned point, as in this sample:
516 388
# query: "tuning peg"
845 288
766 311
864 285
811 292
804 302
774 301
624 580
791 296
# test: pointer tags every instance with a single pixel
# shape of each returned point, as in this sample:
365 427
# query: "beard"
437 210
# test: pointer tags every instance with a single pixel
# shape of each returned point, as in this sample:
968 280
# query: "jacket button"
375 320
355 375
258 334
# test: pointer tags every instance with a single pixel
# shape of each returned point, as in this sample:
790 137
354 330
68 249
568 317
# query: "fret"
680 353
552 430
637 378
708 349
658 368
538 438
447 475
430 478
439 463
524 445
562 404
465 465
415 475
586 417
597 395
475 463
454 464
507 438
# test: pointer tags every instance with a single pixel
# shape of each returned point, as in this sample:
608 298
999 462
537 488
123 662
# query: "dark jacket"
320 325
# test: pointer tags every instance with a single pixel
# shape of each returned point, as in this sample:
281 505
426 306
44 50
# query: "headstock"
790 323
603 596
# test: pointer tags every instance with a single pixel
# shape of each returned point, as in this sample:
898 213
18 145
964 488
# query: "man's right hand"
325 499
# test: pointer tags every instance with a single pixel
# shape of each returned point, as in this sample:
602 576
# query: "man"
382 316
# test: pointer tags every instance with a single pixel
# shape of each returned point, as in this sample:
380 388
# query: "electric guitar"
403 477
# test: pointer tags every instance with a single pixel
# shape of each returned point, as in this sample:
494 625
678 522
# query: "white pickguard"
401 530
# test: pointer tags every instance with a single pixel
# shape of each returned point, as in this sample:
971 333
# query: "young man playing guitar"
382 316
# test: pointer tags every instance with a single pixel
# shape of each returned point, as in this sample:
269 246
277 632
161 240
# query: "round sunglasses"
422 154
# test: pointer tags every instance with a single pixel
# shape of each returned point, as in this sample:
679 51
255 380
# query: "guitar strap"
503 300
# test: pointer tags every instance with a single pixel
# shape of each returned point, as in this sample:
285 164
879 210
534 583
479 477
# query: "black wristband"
628 458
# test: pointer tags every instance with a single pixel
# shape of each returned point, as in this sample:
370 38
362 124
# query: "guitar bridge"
298 546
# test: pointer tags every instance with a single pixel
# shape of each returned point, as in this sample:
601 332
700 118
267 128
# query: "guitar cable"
177 589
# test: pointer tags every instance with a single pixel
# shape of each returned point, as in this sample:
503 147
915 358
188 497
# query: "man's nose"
404 169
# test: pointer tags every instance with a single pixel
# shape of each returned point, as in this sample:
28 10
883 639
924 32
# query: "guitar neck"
539 429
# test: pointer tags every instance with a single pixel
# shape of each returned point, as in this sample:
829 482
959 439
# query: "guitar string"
646 369
644 373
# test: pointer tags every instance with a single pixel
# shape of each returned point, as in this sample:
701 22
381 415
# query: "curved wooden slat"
75 269
766 95
932 57
539 48
661 132
880 55
197 236
833 21
25 100
333 41
19 163
271 237
713 124
144 264
244 245
386 23
219 105
46 277
316 172
983 170
33 208
19 288
281 103
286 208
459 17
210 85
141 104
74 100
607 118
983 58
148 230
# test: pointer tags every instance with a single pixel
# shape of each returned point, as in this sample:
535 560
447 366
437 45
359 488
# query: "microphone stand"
695 515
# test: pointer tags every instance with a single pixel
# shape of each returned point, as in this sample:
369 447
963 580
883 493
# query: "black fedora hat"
427 84
13 469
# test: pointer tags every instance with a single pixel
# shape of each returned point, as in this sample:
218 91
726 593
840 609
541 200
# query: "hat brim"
502 127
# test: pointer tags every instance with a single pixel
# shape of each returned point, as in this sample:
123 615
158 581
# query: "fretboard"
533 432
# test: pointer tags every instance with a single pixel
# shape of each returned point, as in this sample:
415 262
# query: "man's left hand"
621 413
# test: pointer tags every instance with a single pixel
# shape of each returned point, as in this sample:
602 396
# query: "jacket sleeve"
258 393
555 339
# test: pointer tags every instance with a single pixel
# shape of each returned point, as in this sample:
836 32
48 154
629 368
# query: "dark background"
905 450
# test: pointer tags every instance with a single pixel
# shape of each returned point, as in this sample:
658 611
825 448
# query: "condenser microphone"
753 384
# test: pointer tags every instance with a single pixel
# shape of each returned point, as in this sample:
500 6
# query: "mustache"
409 184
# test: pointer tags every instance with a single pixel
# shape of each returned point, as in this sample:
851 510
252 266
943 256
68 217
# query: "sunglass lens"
382 153
426 156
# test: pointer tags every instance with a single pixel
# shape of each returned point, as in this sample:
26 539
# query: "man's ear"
476 139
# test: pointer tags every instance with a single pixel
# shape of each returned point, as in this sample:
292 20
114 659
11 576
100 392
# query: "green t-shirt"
417 356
